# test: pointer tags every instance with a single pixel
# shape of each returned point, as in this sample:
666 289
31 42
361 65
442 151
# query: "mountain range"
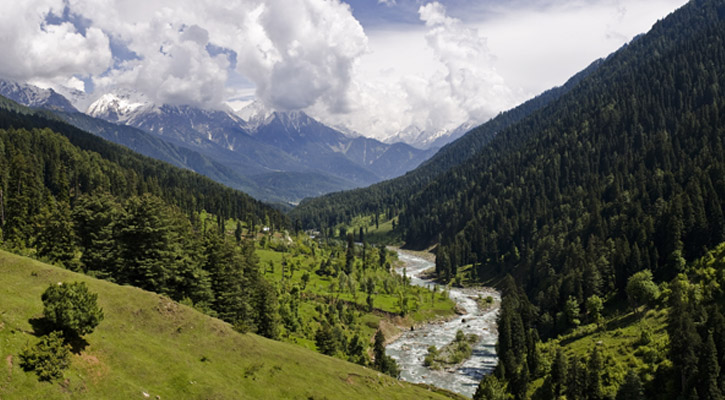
279 157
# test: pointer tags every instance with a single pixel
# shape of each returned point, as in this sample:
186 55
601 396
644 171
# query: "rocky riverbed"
410 349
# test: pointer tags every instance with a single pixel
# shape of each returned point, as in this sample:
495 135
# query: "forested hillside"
392 196
624 173
592 206
76 200
185 189
149 145
601 197
150 347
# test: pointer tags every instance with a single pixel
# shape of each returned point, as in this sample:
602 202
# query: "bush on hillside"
71 308
48 358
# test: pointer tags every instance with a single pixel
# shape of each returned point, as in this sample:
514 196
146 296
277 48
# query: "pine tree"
490 388
684 339
631 389
709 386
267 311
71 308
325 340
576 380
594 377
147 244
56 237
383 362
230 286
95 218
350 254
558 374
238 232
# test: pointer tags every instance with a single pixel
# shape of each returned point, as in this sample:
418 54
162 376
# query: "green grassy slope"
149 344
627 342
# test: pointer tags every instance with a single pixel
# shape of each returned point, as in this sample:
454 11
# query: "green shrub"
71 308
48 358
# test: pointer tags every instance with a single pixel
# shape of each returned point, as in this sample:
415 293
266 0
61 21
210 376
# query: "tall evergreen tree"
709 385
594 389
56 237
95 218
631 389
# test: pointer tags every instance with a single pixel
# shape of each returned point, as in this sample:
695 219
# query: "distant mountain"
272 149
35 97
450 136
274 156
423 139
358 159
391 196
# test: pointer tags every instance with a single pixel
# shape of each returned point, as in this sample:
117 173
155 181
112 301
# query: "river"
411 347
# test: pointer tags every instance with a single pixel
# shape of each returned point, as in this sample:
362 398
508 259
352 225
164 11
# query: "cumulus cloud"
297 54
313 55
305 53
455 82
470 81
33 48
176 68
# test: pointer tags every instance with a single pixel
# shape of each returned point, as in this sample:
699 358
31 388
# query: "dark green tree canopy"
71 308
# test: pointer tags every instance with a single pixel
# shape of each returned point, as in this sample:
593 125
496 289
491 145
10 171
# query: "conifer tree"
383 362
631 389
595 365
56 237
558 374
709 386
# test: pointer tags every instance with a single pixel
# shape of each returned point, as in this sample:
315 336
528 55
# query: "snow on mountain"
119 107
255 114
422 139
35 97
80 100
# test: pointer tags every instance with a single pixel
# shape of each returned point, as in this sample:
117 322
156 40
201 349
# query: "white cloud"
491 56
538 48
471 81
428 79
176 68
296 53
34 49
464 62
305 53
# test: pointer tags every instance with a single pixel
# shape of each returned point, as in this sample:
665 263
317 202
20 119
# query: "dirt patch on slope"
94 369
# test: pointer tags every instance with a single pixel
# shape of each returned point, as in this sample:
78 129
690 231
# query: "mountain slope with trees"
622 174
592 205
390 197
92 206
602 197
148 346
129 173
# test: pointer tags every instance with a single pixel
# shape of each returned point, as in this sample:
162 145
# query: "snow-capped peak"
34 96
255 114
118 107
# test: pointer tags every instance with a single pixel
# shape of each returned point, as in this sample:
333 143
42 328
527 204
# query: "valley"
477 318
150 344
274 156
570 247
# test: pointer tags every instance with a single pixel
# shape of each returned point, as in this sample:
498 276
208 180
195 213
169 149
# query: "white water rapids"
410 349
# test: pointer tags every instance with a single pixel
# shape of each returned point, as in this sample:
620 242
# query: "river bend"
411 347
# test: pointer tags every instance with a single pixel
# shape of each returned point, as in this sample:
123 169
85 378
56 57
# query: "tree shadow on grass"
42 327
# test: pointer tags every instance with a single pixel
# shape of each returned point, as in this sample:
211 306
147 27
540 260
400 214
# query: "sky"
374 67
